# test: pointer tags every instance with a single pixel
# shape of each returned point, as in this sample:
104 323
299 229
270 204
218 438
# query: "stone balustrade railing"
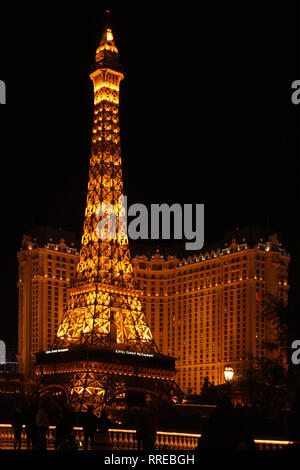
124 439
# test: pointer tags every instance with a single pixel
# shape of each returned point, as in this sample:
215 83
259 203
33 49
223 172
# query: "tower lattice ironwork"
104 346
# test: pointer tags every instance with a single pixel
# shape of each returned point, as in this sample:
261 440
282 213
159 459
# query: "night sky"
205 109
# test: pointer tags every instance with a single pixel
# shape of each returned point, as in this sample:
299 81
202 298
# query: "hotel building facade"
207 309
47 262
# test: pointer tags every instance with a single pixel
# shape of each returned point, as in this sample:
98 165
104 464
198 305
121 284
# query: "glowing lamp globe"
228 373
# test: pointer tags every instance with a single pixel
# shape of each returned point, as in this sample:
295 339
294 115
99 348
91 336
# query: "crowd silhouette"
38 414
229 427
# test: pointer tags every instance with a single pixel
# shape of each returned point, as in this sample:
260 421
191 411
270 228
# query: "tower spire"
107 55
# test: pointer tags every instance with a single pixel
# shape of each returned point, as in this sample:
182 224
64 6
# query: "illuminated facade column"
47 262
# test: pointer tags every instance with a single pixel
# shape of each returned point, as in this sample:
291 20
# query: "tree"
278 313
264 384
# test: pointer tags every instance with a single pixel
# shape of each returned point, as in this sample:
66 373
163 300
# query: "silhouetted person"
102 436
104 422
64 438
146 427
226 429
42 425
89 428
138 424
59 430
29 421
17 423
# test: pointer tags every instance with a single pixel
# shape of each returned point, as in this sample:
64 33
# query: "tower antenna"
107 18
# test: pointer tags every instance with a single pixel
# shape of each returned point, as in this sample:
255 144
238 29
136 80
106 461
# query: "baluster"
121 440
114 439
134 440
166 440
52 438
81 438
158 441
135 444
7 436
126 441
48 438
117 437
23 437
10 437
130 440
3 437
118 440
111 438
77 438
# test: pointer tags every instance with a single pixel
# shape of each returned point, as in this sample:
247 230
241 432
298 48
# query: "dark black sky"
206 115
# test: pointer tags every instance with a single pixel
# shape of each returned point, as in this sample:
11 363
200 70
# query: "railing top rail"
171 433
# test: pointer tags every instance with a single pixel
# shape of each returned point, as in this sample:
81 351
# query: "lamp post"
228 373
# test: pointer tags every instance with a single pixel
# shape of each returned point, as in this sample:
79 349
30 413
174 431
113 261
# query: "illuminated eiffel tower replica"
104 348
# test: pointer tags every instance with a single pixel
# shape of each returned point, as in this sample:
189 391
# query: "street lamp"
228 373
